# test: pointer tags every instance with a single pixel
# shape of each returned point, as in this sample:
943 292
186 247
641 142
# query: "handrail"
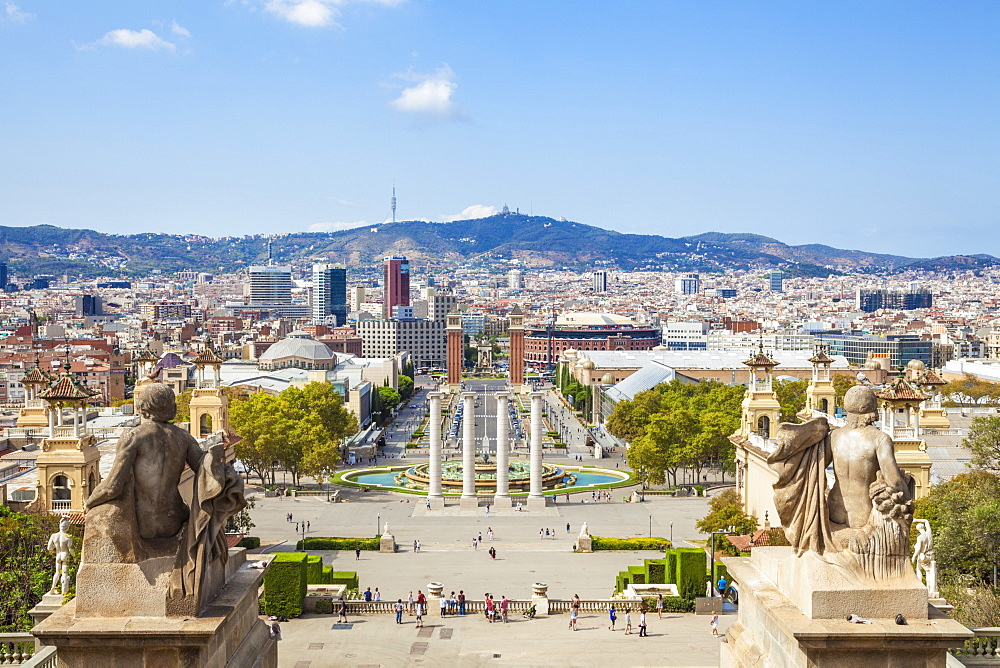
985 644
43 658
16 648
478 606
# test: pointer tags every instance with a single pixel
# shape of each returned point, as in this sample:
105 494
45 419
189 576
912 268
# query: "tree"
984 442
965 516
27 567
241 522
629 418
792 397
666 442
725 512
183 407
405 385
841 384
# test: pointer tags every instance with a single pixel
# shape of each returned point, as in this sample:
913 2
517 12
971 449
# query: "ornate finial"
761 341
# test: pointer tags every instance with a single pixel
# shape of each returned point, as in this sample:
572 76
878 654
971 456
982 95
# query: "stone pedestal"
584 544
435 591
467 503
773 631
540 598
387 543
437 502
49 604
228 634
536 502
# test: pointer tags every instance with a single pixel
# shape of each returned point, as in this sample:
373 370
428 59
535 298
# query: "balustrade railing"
62 505
983 649
16 648
43 658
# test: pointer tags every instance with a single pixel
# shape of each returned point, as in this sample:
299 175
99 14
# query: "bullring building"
587 331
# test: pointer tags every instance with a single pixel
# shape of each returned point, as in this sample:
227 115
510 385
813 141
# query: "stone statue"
385 529
584 531
863 522
137 514
61 545
923 557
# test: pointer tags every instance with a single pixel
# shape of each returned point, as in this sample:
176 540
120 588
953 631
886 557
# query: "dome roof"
916 365
608 379
304 348
872 364
588 364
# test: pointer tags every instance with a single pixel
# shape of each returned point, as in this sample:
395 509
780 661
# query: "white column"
469 499
434 469
535 497
502 496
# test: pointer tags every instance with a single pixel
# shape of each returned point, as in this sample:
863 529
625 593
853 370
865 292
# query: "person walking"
357 554
461 601
489 533
612 617
475 543
642 624
488 604
504 604
421 602
444 606
418 545
414 544
659 606
398 607
567 527
628 622
342 611
409 603
420 617
714 623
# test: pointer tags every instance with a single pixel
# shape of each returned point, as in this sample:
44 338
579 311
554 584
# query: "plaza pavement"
447 556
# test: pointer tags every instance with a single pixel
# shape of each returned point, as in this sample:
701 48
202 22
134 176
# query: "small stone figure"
584 531
923 557
61 544
385 529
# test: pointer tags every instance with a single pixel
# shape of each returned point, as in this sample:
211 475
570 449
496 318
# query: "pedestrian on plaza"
504 604
421 602
573 614
296 527
489 533
452 604
628 622
475 543
368 595
409 604
480 536
487 510
659 606
342 610
612 617
418 546
428 504
398 607
642 624
489 608
357 554
567 496
567 527
546 533
444 606
541 533
378 595
461 601
308 525
290 517
714 623
420 618
414 544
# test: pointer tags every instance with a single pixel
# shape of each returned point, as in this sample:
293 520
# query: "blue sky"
858 125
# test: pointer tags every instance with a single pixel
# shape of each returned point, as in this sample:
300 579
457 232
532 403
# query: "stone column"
434 469
502 496
469 499
535 497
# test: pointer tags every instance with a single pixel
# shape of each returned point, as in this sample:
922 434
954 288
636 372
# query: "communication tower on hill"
393 203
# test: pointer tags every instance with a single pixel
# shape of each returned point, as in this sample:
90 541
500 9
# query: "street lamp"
650 525
378 522
671 533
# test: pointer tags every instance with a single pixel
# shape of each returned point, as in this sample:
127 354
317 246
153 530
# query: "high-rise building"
358 297
687 285
89 305
3 276
329 294
396 284
600 281
515 279
270 285
869 300
776 278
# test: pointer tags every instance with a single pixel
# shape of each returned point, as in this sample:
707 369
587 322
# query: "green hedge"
601 543
691 572
314 570
338 543
249 542
324 606
637 574
670 573
655 571
327 575
285 584
670 603
622 582
720 572
346 578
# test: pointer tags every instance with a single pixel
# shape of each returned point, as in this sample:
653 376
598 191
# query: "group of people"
613 617
477 540
547 533
496 612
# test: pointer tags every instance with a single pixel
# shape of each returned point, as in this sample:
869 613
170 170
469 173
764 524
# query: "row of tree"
300 430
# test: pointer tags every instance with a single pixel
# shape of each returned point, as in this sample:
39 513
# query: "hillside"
534 240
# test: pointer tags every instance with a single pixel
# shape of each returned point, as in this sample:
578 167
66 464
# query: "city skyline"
855 127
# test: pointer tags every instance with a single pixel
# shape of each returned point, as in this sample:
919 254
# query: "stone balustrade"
16 648
43 658
982 650
478 606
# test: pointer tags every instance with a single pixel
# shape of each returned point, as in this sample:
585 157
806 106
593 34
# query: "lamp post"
378 522
650 525
671 533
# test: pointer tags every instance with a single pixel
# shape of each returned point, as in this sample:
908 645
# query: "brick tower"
516 331
455 352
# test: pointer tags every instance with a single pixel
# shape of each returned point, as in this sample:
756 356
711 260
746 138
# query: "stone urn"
435 589
539 589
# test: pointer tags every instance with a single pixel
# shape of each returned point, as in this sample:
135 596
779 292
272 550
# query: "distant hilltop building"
687 285
776 279
600 281
870 300
515 279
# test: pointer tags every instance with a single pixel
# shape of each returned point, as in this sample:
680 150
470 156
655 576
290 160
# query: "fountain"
418 477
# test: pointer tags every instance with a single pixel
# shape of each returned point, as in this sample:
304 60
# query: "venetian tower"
209 403
821 396
516 332
32 416
899 410
455 350
761 410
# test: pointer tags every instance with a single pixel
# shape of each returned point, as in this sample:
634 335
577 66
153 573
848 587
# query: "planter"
435 589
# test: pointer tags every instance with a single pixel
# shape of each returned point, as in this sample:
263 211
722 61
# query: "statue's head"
64 524
860 401
156 402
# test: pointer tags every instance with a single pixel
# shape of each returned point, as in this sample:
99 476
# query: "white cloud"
309 13
14 13
430 95
336 227
179 30
472 212
134 39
